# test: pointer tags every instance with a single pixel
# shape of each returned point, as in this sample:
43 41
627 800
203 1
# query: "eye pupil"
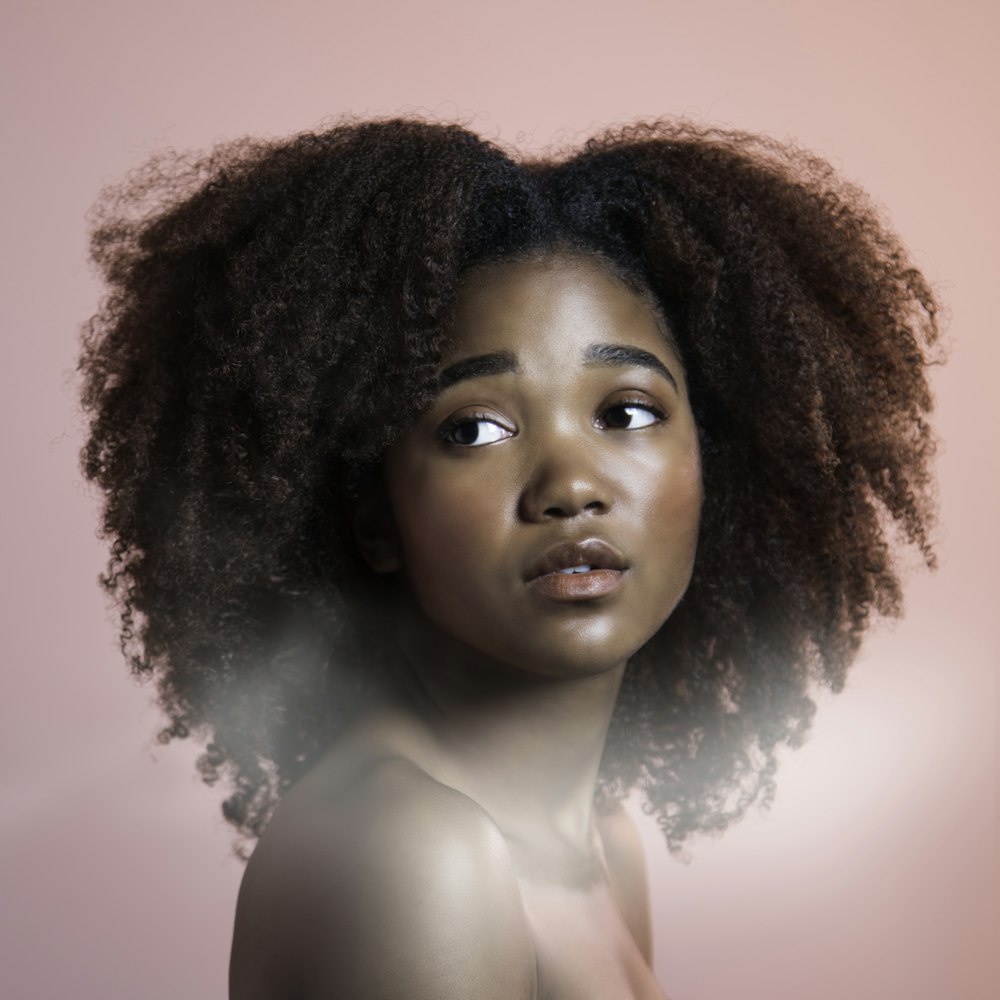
618 417
466 433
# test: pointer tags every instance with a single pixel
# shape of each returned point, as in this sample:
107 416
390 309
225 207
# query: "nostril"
597 506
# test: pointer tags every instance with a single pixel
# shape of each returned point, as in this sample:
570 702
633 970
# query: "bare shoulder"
396 887
626 861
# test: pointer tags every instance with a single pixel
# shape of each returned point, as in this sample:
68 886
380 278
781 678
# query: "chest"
583 948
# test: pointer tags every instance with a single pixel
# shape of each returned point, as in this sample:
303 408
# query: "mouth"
577 571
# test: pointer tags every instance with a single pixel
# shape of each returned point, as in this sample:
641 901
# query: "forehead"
554 305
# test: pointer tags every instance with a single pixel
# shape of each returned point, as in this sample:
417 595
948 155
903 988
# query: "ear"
375 531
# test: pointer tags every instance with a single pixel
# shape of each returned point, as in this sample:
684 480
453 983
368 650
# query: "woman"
408 447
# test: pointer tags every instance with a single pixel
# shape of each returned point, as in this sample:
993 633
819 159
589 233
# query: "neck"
526 747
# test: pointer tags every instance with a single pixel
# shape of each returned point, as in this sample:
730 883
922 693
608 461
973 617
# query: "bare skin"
447 847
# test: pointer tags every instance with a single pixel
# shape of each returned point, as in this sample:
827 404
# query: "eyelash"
446 430
470 418
637 404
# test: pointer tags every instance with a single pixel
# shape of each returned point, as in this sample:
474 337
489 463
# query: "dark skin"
540 521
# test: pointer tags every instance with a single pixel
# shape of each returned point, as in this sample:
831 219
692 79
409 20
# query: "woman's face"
545 509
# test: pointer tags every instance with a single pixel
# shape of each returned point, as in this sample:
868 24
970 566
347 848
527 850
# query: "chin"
573 649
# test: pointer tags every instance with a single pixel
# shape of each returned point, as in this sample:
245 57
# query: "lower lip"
577 586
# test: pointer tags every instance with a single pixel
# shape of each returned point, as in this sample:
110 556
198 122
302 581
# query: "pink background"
875 874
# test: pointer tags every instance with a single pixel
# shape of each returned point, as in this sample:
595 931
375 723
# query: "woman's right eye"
470 432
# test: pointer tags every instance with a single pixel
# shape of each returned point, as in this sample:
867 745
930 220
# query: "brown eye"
630 416
471 432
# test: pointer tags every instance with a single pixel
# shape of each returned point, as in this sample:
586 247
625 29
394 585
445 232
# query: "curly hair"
275 320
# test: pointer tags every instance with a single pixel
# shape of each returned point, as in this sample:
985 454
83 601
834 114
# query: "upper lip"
592 552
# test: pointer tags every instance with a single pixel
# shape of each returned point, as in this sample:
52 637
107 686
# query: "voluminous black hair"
276 316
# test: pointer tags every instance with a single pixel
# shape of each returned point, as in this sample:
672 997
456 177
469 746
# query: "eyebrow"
497 363
504 363
623 356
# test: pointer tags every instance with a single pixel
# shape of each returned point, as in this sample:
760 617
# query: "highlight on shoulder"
400 886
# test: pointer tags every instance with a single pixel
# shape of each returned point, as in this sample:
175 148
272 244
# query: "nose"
564 482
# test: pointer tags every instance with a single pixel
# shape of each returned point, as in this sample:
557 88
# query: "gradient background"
875 873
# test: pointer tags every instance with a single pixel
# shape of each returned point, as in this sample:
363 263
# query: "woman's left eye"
631 416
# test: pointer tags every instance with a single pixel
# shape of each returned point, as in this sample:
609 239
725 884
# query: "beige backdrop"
874 876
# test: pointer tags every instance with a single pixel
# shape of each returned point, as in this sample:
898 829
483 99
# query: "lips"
577 571
566 555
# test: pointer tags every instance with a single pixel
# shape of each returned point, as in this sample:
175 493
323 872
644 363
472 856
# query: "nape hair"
275 319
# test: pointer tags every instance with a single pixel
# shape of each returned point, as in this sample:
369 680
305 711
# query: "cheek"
673 493
682 496
447 528
674 515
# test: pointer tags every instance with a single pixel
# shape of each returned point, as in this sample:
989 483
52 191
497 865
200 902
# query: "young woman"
452 496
